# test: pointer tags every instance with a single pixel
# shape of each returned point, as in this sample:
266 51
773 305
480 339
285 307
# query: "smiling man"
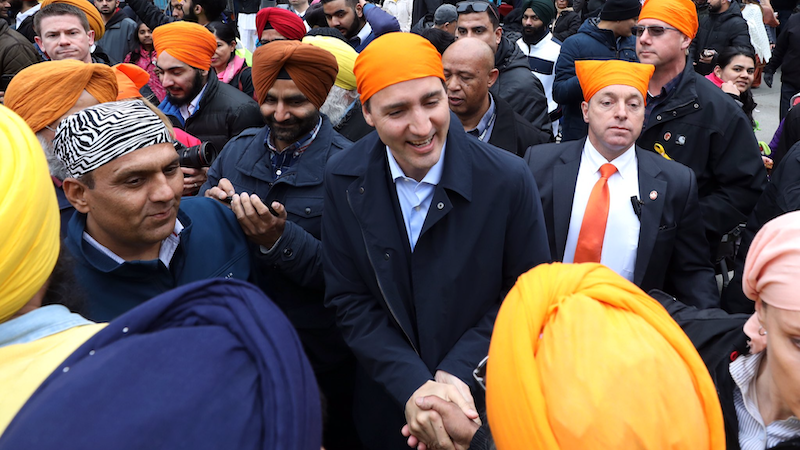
132 236
425 230
606 200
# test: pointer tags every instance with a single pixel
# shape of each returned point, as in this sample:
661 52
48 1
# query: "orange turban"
130 78
44 92
582 358
681 14
394 58
595 75
92 14
311 68
187 42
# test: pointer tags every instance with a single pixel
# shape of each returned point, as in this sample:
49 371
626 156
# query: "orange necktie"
593 228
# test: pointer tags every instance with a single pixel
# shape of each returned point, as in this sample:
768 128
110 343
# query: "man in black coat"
723 27
469 73
651 237
693 122
425 230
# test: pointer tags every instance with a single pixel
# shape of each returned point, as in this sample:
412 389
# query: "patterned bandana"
97 135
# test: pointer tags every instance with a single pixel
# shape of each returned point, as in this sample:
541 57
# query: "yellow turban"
595 75
187 42
44 92
29 218
95 19
582 358
394 58
345 57
681 14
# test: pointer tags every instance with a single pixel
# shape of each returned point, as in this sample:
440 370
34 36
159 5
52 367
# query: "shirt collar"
487 117
297 147
22 16
434 175
625 163
667 88
41 322
365 31
165 253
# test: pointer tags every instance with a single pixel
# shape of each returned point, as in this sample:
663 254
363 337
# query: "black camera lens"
196 156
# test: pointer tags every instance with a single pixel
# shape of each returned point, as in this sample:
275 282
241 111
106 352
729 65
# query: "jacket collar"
504 134
685 92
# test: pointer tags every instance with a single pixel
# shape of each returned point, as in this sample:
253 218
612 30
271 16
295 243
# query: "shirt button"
440 205
416 208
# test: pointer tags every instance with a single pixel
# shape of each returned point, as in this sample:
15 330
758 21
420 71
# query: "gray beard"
338 104
57 168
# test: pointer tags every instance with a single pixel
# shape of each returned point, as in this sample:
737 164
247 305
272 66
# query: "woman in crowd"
143 54
753 359
567 20
230 67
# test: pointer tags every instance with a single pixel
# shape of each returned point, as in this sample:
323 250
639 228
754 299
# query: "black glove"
768 78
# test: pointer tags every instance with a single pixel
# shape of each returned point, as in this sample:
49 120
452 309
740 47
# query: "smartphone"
272 211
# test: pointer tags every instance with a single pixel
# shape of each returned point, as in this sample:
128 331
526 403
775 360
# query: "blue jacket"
211 245
381 23
406 315
211 365
291 273
589 43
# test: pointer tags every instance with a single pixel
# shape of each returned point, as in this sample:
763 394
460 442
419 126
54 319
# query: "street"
766 113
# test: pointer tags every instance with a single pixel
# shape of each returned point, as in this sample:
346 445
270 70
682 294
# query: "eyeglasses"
476 6
480 373
654 30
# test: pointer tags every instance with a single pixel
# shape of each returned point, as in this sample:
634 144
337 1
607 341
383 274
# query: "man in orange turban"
695 123
67 29
419 203
610 202
198 102
581 358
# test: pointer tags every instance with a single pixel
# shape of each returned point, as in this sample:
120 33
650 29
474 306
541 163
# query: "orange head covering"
92 14
188 42
582 358
44 92
595 75
681 14
130 78
394 58
311 68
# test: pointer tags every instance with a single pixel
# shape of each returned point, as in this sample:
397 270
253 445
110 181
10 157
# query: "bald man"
469 73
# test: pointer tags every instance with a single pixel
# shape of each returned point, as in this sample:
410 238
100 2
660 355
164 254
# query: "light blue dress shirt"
415 197
39 323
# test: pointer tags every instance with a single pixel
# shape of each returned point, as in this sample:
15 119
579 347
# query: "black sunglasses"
476 6
654 30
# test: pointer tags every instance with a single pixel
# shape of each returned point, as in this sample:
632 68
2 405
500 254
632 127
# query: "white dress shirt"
622 229
189 109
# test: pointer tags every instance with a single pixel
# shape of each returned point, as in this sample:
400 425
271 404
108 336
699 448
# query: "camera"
196 156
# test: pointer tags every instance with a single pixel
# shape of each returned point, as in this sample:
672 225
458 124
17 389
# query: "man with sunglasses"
515 83
606 37
693 122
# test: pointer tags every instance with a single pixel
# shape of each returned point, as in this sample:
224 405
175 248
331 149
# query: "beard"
337 104
57 168
354 28
291 130
190 16
197 86
531 35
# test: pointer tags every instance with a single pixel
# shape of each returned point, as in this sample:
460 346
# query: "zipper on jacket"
378 279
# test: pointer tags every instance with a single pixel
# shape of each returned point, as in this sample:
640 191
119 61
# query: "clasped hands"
259 224
441 414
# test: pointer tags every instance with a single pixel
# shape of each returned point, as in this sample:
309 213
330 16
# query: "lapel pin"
667 136
681 140
653 195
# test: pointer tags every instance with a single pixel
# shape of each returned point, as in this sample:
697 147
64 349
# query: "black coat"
517 85
786 54
566 25
512 132
719 31
781 195
223 112
702 127
408 314
671 252
789 136
353 125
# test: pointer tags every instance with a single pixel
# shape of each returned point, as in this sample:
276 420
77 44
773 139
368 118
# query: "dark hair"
226 32
327 31
59 9
64 288
211 8
439 38
134 45
723 60
350 3
315 16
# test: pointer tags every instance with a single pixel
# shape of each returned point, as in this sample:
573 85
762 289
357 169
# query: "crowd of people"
418 224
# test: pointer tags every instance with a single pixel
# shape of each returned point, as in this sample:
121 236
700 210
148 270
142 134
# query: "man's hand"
768 78
257 221
443 377
458 426
193 179
730 88
222 191
426 426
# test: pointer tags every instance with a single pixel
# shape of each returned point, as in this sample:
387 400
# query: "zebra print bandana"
97 135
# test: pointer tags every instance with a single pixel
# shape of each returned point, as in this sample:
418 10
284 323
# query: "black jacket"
781 195
719 31
353 126
512 132
243 81
566 25
149 13
702 127
517 85
223 112
789 136
787 53
26 29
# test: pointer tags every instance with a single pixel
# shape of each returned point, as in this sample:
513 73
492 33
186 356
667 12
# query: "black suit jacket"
672 252
513 132
408 314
